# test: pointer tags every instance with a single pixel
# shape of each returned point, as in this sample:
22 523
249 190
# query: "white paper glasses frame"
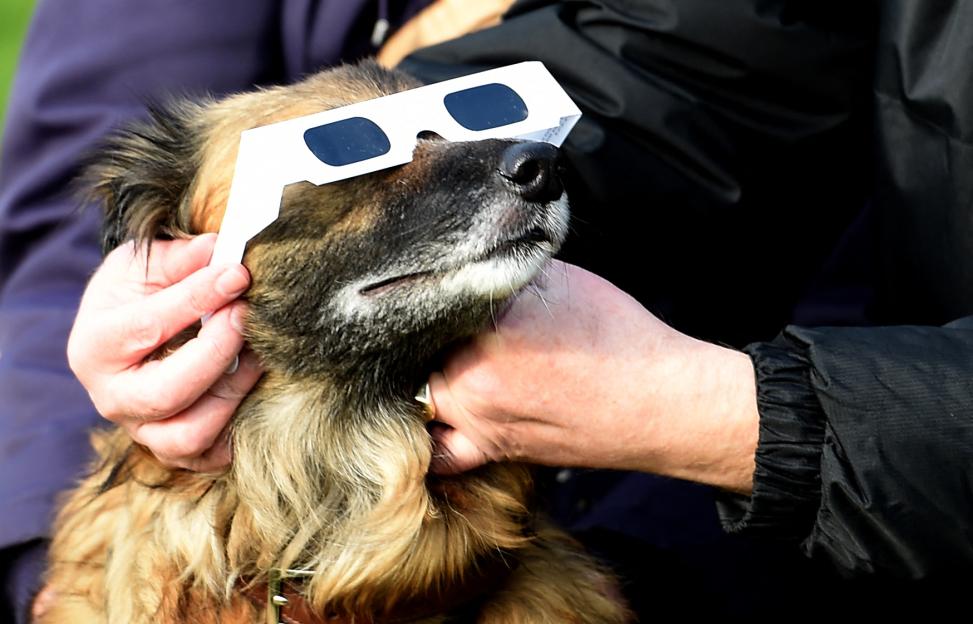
273 156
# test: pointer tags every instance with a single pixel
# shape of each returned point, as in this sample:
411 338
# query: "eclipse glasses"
520 101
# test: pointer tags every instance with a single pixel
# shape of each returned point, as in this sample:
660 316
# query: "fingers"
149 322
215 459
140 298
439 401
453 451
43 602
197 438
157 264
202 292
174 261
122 319
185 374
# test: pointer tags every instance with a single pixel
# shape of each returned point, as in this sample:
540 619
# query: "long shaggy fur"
330 454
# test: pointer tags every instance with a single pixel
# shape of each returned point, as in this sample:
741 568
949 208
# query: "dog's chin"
496 277
501 270
501 274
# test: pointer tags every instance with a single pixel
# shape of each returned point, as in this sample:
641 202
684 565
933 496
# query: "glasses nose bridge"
438 123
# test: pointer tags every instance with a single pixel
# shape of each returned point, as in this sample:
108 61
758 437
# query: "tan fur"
166 543
229 118
137 543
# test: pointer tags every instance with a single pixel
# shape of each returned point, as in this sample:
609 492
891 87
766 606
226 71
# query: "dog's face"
369 278
382 270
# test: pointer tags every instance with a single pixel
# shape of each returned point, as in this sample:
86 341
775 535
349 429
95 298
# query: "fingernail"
233 281
233 367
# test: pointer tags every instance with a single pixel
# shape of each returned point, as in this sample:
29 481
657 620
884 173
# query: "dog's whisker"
493 316
543 270
537 292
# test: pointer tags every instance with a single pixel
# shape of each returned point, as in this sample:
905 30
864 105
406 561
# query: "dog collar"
283 602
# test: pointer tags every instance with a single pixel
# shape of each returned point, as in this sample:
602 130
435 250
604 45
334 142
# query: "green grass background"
14 15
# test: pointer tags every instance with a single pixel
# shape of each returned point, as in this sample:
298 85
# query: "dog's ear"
144 174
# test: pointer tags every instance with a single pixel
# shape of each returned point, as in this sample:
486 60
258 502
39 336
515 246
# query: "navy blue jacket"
87 67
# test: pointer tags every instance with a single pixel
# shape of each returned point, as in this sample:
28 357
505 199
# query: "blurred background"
14 15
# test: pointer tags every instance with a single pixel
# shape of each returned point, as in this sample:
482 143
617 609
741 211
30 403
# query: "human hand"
577 373
178 406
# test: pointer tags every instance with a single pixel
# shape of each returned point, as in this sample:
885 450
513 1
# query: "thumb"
453 450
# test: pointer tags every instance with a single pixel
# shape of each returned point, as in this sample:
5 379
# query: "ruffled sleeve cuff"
787 479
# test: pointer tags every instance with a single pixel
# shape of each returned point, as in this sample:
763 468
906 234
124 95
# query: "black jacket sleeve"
723 147
866 447
709 129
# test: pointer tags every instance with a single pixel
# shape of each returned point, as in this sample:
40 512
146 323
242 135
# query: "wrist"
707 424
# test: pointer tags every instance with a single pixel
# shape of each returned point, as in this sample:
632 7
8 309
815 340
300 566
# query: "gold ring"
424 396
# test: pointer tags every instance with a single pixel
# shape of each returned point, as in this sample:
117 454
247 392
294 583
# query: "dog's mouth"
383 286
537 241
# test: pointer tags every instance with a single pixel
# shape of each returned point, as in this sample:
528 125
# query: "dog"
357 288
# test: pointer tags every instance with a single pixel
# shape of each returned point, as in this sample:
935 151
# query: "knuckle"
231 388
84 350
480 383
149 408
224 392
506 447
221 348
108 402
201 293
182 447
106 407
163 450
144 331
76 353
199 299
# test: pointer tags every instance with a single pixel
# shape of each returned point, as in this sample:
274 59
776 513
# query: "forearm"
706 430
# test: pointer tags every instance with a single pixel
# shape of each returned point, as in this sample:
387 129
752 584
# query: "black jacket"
733 156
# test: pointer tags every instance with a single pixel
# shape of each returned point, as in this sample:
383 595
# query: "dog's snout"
532 168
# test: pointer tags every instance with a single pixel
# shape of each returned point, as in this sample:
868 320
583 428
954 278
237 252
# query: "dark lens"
487 106
347 141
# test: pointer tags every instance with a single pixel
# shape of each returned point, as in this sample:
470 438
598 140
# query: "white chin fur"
496 277
504 275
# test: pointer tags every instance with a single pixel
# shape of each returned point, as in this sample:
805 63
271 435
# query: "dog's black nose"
532 168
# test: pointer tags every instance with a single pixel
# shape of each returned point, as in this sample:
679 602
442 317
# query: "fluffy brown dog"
356 289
